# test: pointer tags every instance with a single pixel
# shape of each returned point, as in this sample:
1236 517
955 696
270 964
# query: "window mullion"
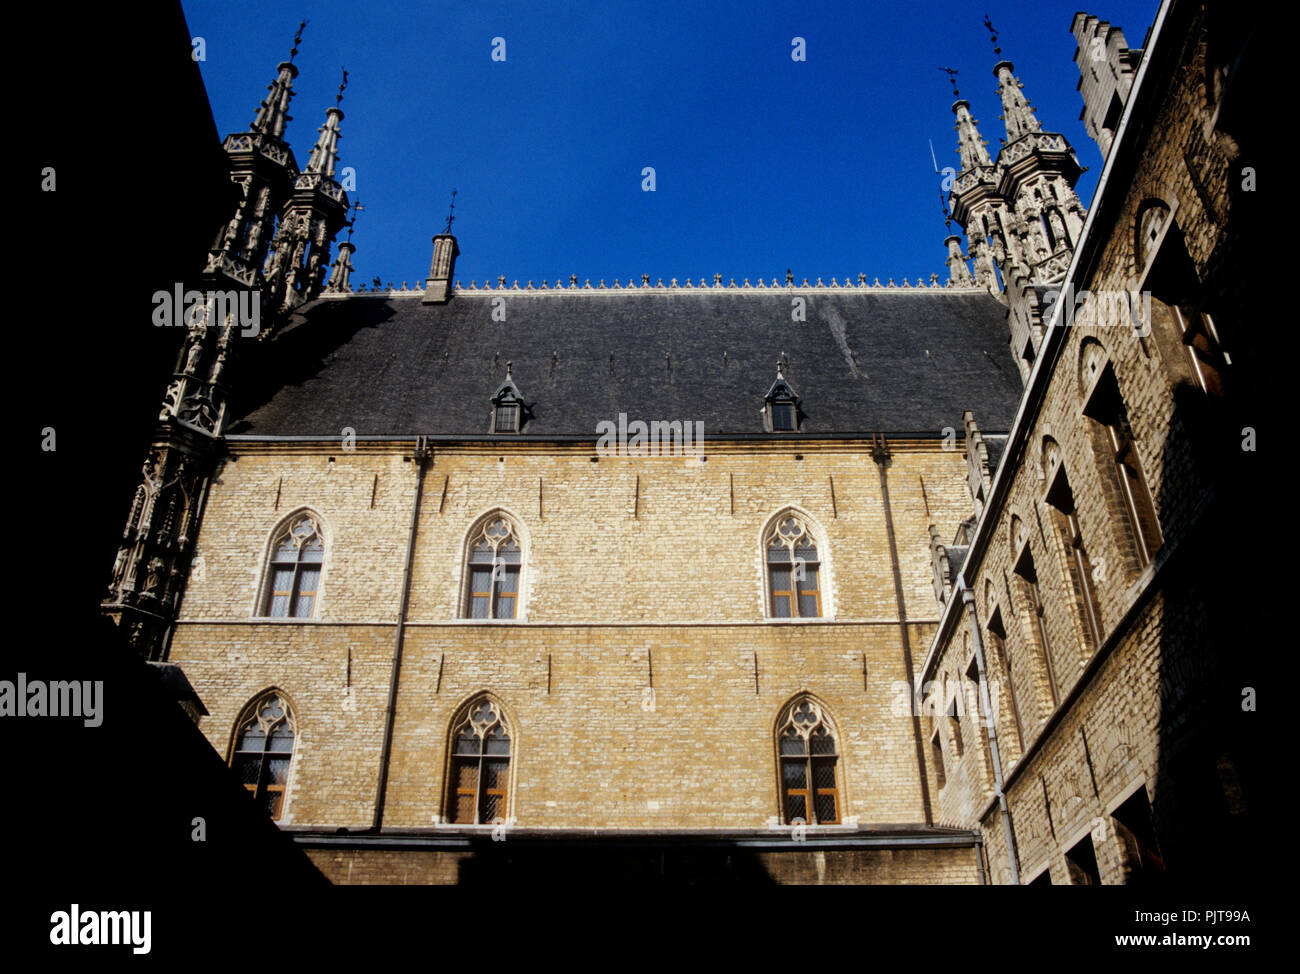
794 583
480 787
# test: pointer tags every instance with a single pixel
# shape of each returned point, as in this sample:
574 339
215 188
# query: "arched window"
1116 446
1064 517
263 749
479 767
808 756
997 631
1026 575
495 558
793 569
297 553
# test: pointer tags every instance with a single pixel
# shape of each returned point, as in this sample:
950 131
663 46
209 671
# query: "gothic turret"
263 166
975 201
222 311
1019 211
295 268
1037 171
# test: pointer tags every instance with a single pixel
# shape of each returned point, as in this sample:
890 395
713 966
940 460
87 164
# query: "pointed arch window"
495 558
1113 438
1065 518
479 773
809 758
793 569
297 554
263 750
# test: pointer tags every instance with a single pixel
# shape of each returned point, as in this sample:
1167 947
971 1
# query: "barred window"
264 749
793 570
479 767
808 757
297 555
505 418
495 558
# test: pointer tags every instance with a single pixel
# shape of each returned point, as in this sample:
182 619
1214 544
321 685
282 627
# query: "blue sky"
762 163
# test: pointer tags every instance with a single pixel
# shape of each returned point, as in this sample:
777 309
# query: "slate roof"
995 444
870 361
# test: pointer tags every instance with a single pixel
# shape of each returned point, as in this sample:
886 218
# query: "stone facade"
643 676
1125 758
1015 649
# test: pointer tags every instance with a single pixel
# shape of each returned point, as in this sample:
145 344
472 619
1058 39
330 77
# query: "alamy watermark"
57 698
1102 309
195 309
75 927
939 698
658 438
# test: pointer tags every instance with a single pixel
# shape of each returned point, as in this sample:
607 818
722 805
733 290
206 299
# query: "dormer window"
507 406
783 416
781 406
505 418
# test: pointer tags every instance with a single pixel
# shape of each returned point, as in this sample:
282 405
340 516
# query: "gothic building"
655 578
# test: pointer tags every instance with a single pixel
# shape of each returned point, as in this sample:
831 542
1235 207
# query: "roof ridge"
673 286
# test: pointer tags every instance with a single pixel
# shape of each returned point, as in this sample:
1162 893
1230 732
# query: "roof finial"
509 365
451 218
952 77
356 208
297 39
338 99
994 34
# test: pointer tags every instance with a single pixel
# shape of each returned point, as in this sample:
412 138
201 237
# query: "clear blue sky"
762 162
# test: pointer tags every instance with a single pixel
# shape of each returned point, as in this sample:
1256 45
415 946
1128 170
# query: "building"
653 583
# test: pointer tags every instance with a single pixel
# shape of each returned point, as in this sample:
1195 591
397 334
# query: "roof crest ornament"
451 213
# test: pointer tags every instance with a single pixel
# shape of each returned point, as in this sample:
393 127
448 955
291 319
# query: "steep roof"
870 360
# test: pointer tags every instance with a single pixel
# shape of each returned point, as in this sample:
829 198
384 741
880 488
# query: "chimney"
437 289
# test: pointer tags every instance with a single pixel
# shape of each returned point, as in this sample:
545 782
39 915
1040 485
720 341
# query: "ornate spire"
1016 112
273 114
342 269
958 273
969 144
325 152
295 270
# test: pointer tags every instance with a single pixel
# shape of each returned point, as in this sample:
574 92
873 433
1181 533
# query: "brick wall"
621 585
1147 706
